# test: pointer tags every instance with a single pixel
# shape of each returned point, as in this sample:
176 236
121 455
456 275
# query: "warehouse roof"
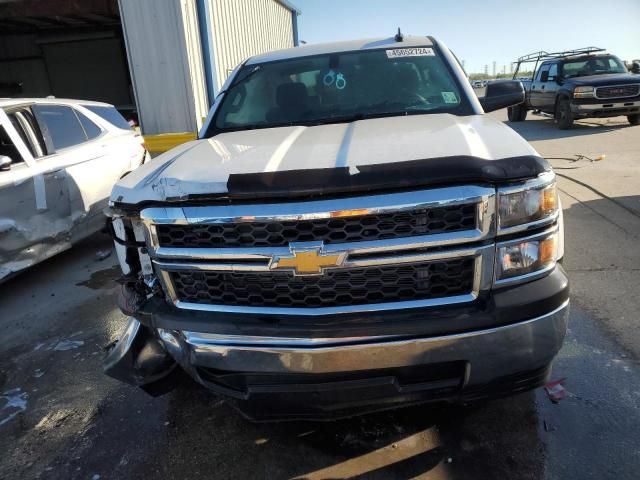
347 46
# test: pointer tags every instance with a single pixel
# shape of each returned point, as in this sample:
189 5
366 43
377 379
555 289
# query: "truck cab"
579 84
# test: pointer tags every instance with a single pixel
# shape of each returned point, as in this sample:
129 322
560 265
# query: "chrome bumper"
604 107
490 354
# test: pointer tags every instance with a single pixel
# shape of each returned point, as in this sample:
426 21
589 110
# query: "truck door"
550 88
35 212
538 87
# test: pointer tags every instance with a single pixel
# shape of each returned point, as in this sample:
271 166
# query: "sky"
481 31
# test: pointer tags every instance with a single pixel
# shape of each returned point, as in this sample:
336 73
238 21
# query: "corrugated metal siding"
242 28
165 59
194 60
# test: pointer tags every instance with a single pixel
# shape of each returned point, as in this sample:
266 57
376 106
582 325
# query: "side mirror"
5 163
544 77
502 94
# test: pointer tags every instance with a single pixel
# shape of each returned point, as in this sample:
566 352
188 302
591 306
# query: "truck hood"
389 152
606 79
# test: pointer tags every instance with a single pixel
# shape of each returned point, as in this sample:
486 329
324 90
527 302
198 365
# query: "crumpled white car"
59 160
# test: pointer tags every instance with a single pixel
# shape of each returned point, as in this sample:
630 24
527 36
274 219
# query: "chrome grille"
335 288
454 218
617 91
397 251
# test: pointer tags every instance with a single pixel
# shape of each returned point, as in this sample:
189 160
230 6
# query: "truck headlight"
583 92
535 203
526 257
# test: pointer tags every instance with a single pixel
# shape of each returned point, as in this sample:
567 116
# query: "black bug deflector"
386 176
344 181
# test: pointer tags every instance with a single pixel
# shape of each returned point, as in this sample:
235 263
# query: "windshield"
593 66
340 87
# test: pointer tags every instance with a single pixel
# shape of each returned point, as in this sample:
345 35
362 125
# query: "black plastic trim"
460 169
330 403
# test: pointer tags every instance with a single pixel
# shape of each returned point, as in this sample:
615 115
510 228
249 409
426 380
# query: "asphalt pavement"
60 417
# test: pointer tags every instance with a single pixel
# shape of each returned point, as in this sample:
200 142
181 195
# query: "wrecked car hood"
389 152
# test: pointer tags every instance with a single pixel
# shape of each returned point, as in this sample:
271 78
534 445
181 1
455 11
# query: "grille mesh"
618 91
333 230
358 286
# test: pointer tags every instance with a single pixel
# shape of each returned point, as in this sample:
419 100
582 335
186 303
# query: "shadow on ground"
547 129
489 441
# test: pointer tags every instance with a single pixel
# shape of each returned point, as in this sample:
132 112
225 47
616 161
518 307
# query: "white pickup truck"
350 232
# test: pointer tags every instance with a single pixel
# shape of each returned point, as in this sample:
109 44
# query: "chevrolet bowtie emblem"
307 260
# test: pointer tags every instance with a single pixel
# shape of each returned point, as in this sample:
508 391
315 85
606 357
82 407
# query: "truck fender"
561 96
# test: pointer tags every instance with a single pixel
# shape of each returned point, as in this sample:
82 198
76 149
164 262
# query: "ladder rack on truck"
542 55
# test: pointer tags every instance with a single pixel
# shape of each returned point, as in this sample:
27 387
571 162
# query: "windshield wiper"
365 116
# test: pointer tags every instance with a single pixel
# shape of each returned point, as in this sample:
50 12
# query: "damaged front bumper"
287 378
138 358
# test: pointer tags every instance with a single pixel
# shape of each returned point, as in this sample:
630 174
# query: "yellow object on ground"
166 141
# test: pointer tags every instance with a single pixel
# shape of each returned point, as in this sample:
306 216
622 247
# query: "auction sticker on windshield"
449 97
410 52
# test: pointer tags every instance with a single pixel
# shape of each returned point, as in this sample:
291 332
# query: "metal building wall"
242 28
165 60
21 61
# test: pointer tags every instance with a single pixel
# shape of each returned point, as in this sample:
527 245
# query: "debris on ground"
555 390
102 254
15 401
64 345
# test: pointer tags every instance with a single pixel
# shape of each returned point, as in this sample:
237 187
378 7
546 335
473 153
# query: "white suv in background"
59 160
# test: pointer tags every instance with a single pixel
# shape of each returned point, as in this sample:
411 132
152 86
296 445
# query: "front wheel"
634 119
564 115
517 113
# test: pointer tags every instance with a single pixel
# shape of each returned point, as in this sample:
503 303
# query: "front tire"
564 115
634 119
517 113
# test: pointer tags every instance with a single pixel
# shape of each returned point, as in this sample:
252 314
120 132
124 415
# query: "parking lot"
60 417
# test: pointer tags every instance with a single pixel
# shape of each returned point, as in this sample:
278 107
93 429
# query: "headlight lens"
526 257
583 92
526 206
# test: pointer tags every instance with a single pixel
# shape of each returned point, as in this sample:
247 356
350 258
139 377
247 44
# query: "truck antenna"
399 37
